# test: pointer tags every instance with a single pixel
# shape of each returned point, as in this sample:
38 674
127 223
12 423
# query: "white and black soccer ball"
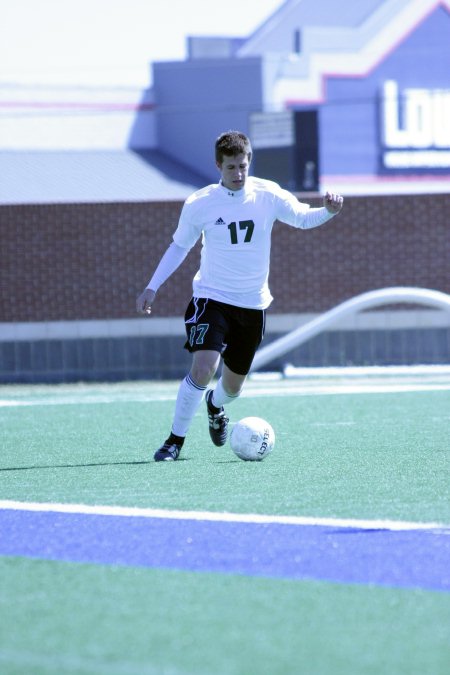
252 438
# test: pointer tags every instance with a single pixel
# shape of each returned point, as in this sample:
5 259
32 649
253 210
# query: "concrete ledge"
172 326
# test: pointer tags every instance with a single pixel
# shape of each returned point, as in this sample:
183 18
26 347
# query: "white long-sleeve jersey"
236 228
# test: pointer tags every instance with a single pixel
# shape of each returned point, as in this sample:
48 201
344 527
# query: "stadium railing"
330 319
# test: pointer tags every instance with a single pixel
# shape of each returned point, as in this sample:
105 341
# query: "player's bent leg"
227 390
204 367
217 421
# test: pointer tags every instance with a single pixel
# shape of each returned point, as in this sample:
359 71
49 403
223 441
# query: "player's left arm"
314 217
298 214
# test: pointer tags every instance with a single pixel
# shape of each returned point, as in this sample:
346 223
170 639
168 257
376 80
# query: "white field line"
136 512
88 399
268 390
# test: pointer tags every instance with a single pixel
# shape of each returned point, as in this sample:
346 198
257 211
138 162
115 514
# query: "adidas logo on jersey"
219 221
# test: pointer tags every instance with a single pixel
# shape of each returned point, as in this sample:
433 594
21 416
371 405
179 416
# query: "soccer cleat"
168 452
218 421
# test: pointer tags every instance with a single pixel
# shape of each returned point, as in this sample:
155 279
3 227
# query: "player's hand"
144 301
333 202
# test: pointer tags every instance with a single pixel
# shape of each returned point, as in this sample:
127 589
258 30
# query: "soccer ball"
252 438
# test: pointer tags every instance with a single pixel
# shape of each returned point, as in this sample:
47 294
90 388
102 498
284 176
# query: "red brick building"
70 274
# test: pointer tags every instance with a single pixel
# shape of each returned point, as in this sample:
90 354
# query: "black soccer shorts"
234 332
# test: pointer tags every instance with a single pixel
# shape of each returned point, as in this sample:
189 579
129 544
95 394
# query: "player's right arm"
144 301
184 238
170 261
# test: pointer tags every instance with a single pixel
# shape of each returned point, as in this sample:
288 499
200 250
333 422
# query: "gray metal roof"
33 177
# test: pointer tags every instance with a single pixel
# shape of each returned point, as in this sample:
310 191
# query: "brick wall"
89 261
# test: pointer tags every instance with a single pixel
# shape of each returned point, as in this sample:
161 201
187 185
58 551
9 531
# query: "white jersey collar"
237 195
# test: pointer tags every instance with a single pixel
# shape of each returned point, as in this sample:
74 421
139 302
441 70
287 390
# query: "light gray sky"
111 42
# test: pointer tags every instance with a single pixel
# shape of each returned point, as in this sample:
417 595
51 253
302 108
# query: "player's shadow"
74 466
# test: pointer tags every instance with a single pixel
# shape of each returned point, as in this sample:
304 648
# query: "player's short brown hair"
231 144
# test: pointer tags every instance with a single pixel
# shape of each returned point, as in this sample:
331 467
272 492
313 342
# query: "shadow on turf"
78 466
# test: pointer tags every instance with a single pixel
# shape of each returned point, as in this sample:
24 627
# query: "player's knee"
204 368
234 391
202 374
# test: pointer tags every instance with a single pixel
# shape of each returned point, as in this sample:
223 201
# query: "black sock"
173 438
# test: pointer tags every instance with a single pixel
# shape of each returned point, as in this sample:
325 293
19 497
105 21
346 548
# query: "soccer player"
226 317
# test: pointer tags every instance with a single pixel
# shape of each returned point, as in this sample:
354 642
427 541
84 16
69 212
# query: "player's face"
234 171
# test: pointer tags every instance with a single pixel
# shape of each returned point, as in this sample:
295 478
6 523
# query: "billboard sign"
415 128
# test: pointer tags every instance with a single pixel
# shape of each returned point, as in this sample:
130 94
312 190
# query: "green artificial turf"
85 619
366 456
357 456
